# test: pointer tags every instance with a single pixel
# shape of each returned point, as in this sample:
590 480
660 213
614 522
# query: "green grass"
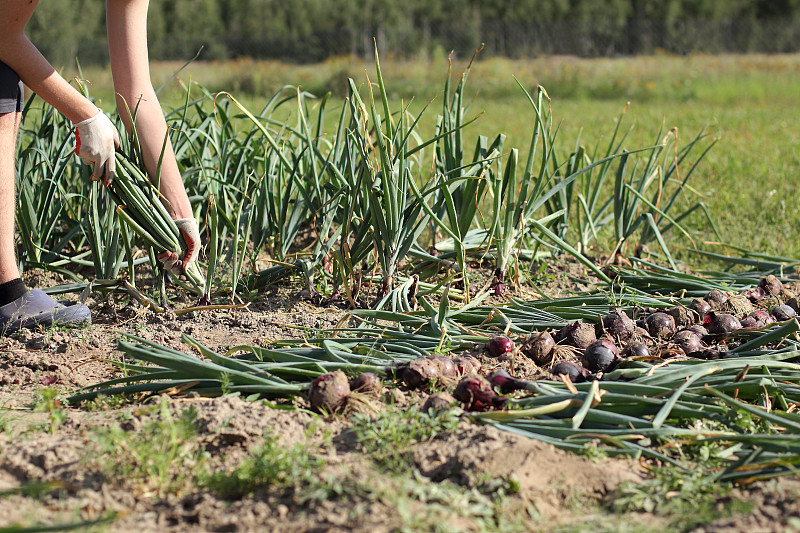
748 103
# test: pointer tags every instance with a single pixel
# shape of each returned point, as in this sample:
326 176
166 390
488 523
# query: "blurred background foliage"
314 30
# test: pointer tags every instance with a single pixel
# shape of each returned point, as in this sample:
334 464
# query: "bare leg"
127 44
9 125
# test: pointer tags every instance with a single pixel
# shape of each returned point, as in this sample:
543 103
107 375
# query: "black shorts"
11 91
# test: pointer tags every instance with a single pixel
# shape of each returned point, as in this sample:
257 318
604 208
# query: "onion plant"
593 211
644 196
459 184
518 196
50 195
140 207
396 218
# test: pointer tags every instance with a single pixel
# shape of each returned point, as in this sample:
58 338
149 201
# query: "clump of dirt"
545 475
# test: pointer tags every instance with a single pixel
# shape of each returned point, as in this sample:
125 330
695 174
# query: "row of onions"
623 378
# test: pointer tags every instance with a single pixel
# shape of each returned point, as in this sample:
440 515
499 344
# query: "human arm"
126 21
19 53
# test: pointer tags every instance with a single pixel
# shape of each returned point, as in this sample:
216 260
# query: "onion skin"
716 298
709 353
601 355
576 373
444 365
466 365
661 325
418 372
500 345
636 349
504 382
783 312
687 341
749 322
794 304
367 383
617 324
757 319
578 334
771 285
701 307
698 330
722 324
763 318
328 392
499 285
438 402
756 294
683 316
539 348
477 395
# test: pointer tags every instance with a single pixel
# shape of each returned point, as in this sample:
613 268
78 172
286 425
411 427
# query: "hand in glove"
96 140
191 235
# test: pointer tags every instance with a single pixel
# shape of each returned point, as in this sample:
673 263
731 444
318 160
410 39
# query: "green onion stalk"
139 206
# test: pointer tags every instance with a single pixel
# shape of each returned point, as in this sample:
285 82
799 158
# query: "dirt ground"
62 464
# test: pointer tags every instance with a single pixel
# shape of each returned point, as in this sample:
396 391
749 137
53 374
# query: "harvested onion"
636 349
771 285
539 348
687 341
328 392
661 325
578 334
617 324
500 345
477 395
783 312
575 372
601 355
722 323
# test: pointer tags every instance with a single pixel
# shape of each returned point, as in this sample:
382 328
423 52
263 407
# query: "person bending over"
22 63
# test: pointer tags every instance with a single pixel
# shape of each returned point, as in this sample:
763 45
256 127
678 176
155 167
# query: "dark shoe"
35 308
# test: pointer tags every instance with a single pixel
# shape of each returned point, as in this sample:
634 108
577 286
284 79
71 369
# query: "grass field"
748 103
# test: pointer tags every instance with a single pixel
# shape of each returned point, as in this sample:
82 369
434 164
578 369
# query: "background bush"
313 30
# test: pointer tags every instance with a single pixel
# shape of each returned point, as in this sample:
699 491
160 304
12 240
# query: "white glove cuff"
182 223
90 120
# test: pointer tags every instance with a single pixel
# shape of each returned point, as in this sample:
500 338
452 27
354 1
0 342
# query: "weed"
106 403
388 436
5 419
46 401
686 498
272 465
443 507
160 456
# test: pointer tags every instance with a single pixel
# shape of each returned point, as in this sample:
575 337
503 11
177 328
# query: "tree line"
312 30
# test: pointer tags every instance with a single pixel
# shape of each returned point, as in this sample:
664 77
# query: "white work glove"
96 140
191 235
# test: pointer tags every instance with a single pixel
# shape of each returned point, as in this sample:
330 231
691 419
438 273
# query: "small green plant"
160 456
46 401
687 498
105 403
272 465
388 436
5 419
427 506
